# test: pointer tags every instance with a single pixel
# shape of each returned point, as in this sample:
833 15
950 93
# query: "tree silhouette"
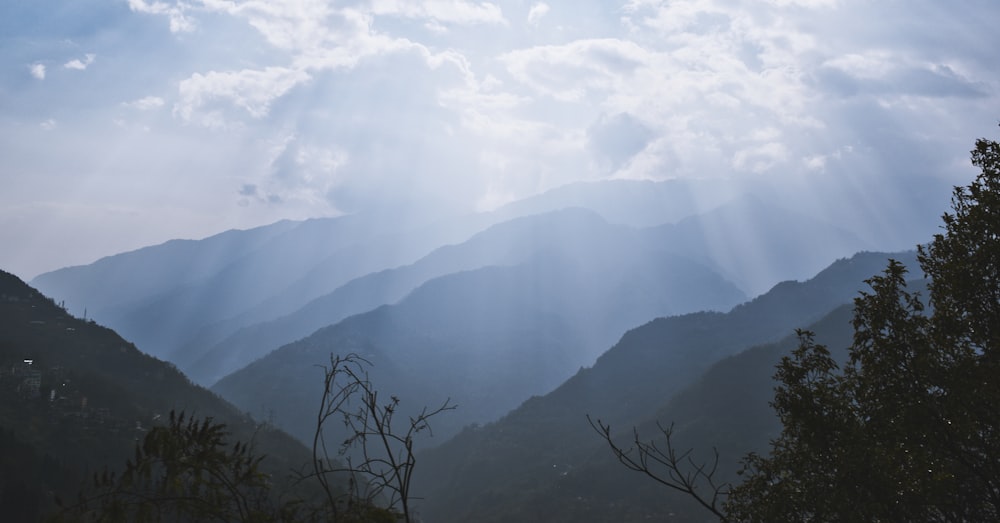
908 428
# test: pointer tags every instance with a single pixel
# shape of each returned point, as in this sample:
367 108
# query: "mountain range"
239 295
491 337
708 372
517 316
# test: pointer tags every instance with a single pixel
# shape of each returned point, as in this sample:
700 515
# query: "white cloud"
299 173
37 70
873 63
815 162
80 65
294 25
249 89
569 72
443 11
179 21
813 4
466 99
537 12
146 103
48 125
760 158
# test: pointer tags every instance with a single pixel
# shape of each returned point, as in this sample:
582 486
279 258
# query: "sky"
124 123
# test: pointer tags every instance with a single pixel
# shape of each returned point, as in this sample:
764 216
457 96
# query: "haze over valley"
551 216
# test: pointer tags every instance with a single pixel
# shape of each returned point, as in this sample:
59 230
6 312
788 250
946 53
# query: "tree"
184 470
675 470
909 428
187 470
379 458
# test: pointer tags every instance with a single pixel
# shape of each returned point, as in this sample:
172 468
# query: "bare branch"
664 465
386 458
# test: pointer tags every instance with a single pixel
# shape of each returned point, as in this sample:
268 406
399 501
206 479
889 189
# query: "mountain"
161 296
749 242
212 305
639 203
757 244
178 298
580 237
491 337
725 410
503 470
75 396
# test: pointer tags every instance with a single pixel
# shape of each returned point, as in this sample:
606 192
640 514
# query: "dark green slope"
726 409
75 396
502 468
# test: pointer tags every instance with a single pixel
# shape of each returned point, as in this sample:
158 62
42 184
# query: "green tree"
184 470
909 428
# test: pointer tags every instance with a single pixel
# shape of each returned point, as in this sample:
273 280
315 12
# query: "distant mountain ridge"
757 244
494 310
638 203
579 237
528 449
159 296
746 240
490 337
192 302
502 244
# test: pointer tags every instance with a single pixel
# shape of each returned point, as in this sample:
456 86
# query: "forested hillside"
539 460
76 398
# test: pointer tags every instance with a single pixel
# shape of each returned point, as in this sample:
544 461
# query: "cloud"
938 80
299 108
813 4
80 65
37 70
537 12
248 189
179 21
299 174
146 103
312 38
880 73
247 89
615 140
760 158
252 194
441 11
48 125
569 72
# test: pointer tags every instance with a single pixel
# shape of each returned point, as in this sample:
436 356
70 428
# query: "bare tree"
378 457
665 465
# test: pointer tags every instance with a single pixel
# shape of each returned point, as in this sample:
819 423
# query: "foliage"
906 428
182 470
186 470
97 394
909 428
541 461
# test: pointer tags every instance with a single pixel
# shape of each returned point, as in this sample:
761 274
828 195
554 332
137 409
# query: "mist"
536 211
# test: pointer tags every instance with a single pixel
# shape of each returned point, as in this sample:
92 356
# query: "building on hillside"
30 379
